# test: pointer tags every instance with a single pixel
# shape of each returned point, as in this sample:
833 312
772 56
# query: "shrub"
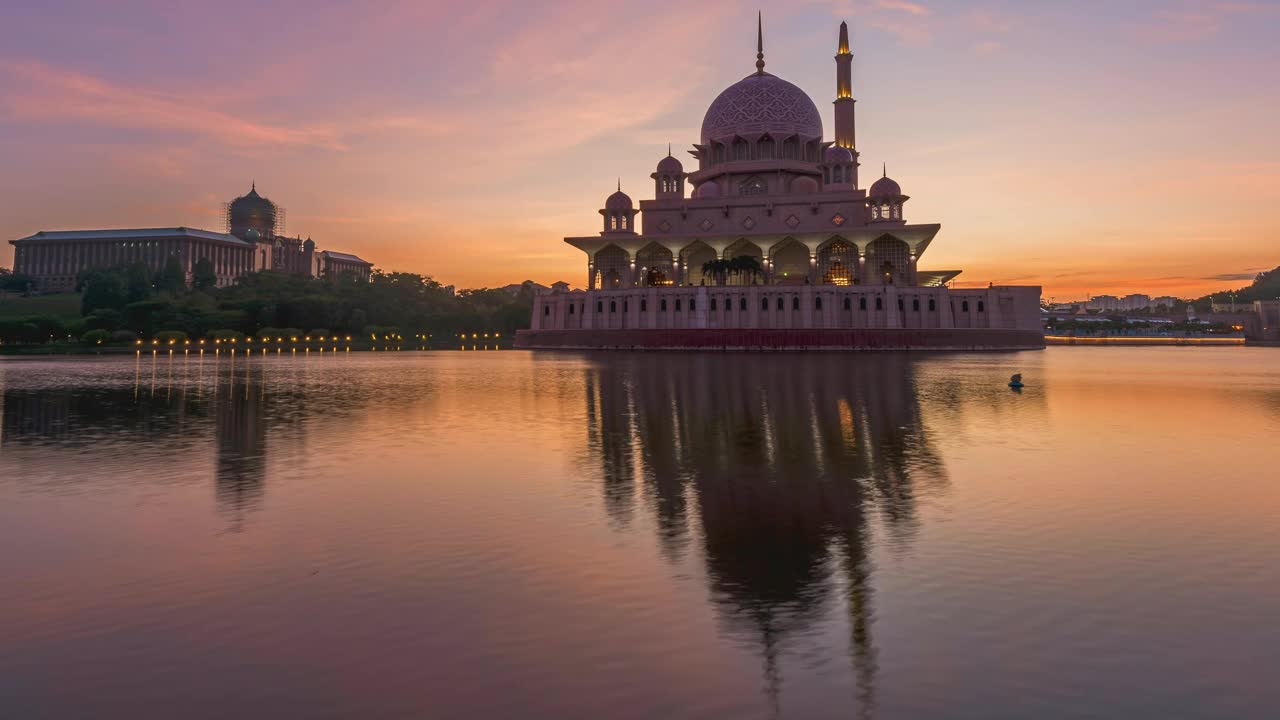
171 337
127 336
95 337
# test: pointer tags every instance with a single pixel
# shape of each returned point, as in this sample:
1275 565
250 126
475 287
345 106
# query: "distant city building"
253 241
770 234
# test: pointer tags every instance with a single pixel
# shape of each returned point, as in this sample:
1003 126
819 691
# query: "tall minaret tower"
844 99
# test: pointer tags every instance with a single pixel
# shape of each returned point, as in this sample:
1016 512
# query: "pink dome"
761 103
804 185
618 201
670 166
708 189
885 187
836 155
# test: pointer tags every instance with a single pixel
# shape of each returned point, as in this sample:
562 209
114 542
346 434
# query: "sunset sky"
1090 146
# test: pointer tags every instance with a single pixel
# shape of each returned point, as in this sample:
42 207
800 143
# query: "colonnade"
881 261
55 263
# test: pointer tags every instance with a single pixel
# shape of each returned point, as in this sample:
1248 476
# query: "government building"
253 240
771 241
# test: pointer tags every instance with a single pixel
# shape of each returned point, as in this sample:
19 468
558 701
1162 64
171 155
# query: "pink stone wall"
782 339
790 307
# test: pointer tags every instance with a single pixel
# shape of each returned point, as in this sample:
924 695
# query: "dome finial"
253 186
668 149
759 43
619 184
884 170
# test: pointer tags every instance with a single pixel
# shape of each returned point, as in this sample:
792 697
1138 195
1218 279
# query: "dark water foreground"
465 535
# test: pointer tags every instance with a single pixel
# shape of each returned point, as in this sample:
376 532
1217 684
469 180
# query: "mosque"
771 241
253 240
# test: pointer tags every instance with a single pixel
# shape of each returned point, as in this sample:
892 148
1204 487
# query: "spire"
844 39
619 184
668 149
760 43
884 170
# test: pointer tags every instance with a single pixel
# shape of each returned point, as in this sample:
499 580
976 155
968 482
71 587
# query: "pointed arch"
790 262
744 272
838 261
887 260
692 258
612 264
766 148
656 265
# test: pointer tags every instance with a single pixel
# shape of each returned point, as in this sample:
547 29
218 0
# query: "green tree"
101 290
138 282
202 275
173 279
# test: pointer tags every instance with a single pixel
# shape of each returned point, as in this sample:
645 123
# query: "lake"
558 535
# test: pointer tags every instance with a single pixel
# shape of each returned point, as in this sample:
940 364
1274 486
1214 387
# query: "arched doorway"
790 262
888 260
746 262
693 258
612 268
838 262
656 266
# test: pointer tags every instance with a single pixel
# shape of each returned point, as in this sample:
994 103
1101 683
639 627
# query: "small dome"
836 155
885 187
708 189
309 244
252 235
804 185
670 166
618 201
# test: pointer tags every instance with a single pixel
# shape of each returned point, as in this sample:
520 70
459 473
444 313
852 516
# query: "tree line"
132 301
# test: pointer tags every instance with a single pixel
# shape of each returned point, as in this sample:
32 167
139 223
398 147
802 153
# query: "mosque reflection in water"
779 475
174 403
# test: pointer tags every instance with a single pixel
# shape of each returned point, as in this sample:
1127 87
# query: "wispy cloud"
43 92
1193 21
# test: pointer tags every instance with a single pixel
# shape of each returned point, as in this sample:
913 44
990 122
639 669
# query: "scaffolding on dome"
280 216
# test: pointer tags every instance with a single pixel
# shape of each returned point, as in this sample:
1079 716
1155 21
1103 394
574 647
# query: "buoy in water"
1016 380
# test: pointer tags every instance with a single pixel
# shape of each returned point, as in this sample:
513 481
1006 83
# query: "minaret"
844 99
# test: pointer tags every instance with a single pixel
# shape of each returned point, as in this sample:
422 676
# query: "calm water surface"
506 534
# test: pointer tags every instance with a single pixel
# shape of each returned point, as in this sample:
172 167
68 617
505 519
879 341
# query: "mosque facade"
771 240
253 241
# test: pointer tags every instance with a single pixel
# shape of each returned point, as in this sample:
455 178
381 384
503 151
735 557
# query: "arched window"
836 261
887 259
753 186
837 174
790 263
612 265
766 148
741 150
789 149
719 153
